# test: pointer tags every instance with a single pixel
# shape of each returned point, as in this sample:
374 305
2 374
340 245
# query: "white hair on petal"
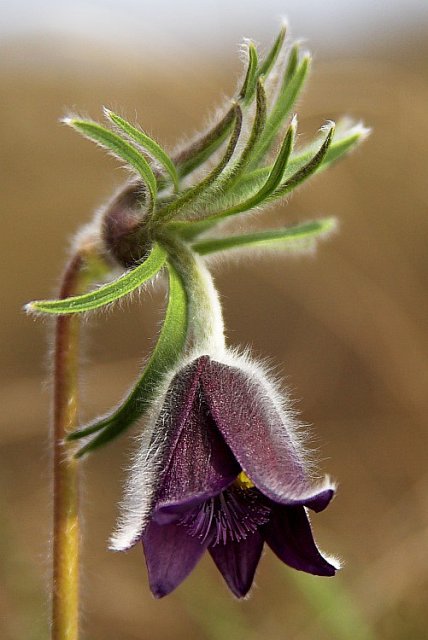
146 465
141 485
286 429
336 562
269 387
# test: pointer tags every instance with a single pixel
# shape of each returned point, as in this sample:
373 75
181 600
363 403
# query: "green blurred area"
346 330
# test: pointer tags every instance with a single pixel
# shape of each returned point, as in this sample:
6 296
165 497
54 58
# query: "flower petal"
321 499
237 562
171 554
174 511
289 535
201 466
156 449
258 430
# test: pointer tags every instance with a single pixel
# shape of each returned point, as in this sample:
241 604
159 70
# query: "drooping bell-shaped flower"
222 470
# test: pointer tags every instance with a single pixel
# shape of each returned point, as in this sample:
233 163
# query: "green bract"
109 292
164 357
296 237
168 214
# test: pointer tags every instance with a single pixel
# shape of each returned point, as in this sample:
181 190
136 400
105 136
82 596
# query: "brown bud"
123 226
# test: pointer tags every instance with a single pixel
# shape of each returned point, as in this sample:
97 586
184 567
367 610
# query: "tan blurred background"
346 330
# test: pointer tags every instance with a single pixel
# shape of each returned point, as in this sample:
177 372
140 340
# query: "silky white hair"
142 483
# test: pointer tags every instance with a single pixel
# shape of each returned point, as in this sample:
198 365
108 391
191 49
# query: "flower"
222 469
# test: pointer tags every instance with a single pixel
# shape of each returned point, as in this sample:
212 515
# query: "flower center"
243 481
230 516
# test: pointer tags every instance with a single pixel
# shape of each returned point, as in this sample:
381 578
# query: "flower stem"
66 535
205 313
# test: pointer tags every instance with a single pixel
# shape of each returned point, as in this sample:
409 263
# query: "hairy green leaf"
203 147
193 193
273 54
141 138
290 89
119 147
165 356
106 294
293 60
248 88
232 175
277 171
288 237
198 152
345 139
308 169
233 172
268 188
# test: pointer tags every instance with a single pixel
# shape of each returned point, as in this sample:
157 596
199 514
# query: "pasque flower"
221 465
223 470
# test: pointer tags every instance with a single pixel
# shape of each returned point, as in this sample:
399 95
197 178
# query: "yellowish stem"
66 534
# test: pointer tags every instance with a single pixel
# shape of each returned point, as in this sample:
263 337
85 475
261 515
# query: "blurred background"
347 330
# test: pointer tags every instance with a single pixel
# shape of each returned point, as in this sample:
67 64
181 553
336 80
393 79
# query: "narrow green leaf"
277 172
293 60
189 230
106 294
120 148
308 169
230 176
295 171
346 138
257 128
192 194
166 354
288 94
248 88
273 54
291 237
204 147
153 148
273 180
233 174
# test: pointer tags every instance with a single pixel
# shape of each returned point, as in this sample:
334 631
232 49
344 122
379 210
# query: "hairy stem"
66 535
205 315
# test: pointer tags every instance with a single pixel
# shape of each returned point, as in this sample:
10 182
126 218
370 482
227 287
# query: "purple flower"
221 469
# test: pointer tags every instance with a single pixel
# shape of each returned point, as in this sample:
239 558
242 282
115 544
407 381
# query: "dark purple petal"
176 409
237 562
316 500
258 432
319 501
201 466
289 535
155 454
171 554
167 512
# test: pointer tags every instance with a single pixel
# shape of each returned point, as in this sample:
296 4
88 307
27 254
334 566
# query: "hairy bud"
124 226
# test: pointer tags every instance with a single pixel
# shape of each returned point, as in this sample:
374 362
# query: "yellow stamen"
243 481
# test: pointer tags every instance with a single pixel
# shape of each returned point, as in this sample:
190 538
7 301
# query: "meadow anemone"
223 470
220 465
